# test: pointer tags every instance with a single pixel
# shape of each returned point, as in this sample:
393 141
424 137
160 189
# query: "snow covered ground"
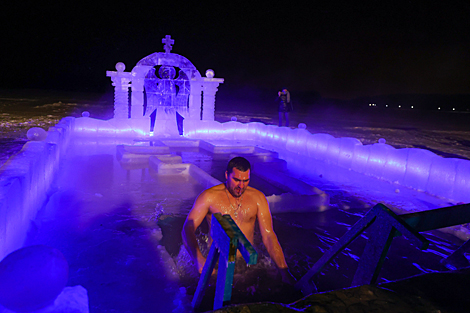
22 109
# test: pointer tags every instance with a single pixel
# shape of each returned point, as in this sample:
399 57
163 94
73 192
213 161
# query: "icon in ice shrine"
166 88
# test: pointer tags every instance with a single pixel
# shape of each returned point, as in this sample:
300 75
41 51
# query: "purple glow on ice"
28 178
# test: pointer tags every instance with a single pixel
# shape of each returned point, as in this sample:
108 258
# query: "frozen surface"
104 219
118 224
119 228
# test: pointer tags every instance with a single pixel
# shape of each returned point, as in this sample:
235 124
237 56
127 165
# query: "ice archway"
176 87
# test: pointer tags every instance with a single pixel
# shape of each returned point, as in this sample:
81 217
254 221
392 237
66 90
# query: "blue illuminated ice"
36 133
413 168
31 278
168 84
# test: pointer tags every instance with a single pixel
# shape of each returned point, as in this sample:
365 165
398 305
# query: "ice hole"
118 206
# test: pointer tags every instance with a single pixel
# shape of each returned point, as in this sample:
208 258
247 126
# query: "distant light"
453 109
302 126
386 105
233 118
411 106
86 114
399 106
370 104
438 108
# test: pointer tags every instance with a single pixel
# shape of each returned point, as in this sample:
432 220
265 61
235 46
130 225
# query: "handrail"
384 225
227 239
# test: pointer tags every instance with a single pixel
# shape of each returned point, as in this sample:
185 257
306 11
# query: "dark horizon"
334 50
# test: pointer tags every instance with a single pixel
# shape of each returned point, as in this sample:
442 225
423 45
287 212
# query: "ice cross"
168 42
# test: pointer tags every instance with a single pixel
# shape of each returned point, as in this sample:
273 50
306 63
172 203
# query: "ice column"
121 85
195 100
209 86
137 100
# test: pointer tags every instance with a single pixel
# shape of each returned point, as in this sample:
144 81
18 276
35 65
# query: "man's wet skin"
246 206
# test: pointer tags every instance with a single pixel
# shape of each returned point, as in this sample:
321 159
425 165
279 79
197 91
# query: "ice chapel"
165 88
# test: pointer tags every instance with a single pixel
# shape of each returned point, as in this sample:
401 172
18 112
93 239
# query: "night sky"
338 50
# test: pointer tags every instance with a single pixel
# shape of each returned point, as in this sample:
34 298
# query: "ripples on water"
305 237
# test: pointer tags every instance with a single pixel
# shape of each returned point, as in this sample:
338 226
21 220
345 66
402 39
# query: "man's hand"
200 264
287 276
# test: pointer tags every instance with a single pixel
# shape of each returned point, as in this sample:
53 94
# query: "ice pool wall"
415 168
25 180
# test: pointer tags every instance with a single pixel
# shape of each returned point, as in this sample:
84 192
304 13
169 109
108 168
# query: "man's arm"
193 220
270 240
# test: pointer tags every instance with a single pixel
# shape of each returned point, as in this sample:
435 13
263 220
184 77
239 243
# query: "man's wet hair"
240 163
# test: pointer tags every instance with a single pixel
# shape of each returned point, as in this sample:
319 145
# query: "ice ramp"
300 196
140 154
171 166
240 148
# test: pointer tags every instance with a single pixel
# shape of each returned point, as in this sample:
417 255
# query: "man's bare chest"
245 210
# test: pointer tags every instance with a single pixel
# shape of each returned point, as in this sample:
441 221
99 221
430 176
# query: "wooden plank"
227 238
438 218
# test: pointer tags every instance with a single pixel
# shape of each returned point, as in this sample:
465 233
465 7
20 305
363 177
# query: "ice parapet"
27 176
442 173
36 133
378 155
415 168
317 146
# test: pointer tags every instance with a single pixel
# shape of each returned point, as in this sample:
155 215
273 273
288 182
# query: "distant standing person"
284 106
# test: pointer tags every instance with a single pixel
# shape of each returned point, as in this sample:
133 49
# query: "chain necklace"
235 211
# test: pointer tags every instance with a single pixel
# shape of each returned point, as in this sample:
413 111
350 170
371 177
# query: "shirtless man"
245 205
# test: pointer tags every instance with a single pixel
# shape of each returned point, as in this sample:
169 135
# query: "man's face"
237 182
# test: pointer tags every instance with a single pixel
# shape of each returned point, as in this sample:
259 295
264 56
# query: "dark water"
106 219
305 237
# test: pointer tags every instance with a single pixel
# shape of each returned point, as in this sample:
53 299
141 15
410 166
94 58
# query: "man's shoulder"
217 188
213 191
253 192
210 195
